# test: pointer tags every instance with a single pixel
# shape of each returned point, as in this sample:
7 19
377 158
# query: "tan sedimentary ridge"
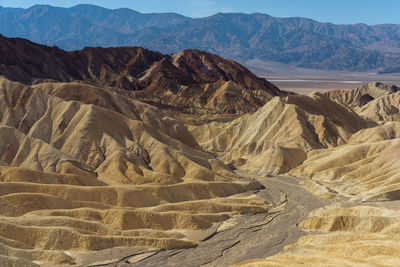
360 96
87 133
357 236
364 168
367 170
87 168
385 108
350 152
277 137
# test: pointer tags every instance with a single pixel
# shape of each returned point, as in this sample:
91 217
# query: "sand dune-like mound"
357 236
111 99
39 221
363 165
88 168
384 108
360 96
19 150
103 139
366 170
386 131
276 137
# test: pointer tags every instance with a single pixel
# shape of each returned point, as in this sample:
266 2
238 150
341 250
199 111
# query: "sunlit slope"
362 95
84 171
384 108
367 166
357 236
277 137
366 170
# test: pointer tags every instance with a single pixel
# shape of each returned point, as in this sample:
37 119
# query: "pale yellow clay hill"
83 168
360 96
338 236
86 168
276 138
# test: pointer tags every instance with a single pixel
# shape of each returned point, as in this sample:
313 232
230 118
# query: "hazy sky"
336 11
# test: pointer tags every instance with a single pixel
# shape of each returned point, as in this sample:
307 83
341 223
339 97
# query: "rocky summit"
189 80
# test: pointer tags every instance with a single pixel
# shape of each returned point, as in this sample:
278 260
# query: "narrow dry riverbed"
245 236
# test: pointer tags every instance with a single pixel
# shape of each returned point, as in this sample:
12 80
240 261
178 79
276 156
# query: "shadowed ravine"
250 236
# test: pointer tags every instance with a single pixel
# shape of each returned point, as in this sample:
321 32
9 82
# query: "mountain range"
297 41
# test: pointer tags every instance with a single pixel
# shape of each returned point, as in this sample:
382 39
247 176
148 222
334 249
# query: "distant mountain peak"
296 41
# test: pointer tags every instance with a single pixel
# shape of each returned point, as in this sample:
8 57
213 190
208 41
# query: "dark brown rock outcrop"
189 80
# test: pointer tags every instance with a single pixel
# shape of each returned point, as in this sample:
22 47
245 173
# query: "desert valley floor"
128 157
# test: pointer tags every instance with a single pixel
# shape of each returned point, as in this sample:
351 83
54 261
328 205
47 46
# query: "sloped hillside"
356 236
367 170
385 108
90 174
366 166
360 96
276 138
361 229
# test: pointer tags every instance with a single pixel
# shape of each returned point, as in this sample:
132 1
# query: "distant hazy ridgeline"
298 41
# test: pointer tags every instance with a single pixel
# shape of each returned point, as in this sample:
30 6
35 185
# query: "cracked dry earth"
242 237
